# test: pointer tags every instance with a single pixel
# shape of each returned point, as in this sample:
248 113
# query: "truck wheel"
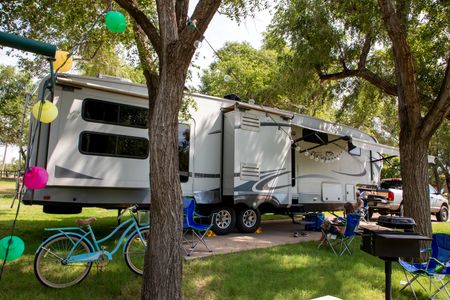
442 215
224 220
248 220
382 212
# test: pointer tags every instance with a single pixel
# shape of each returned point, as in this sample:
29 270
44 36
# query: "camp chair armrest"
209 217
423 250
437 261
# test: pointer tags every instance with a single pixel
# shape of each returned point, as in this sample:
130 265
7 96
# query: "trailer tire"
442 215
224 220
248 220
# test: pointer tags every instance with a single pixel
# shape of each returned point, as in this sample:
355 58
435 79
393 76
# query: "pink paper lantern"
36 178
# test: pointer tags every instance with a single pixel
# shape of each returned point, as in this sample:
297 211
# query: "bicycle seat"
84 222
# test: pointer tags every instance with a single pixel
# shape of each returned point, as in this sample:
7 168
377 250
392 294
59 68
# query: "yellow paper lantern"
49 111
62 63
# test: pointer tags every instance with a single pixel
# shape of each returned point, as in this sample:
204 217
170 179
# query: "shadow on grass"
299 271
290 272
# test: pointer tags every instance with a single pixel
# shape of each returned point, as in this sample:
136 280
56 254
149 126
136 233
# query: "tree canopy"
13 88
399 47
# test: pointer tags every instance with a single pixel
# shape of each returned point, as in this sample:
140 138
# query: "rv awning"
382 149
269 110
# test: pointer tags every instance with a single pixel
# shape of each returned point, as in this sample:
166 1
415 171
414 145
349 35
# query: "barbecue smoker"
393 238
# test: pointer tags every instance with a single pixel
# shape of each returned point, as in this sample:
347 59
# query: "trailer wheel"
248 220
442 215
224 220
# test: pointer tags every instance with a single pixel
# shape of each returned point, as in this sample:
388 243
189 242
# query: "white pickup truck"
388 199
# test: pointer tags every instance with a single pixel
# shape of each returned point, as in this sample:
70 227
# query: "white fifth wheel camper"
237 159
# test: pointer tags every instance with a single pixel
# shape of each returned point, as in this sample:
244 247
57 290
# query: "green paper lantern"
16 248
115 21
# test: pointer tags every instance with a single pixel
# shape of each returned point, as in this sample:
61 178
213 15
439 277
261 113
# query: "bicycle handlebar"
132 209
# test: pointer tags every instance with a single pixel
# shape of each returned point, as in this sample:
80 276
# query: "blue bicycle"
66 258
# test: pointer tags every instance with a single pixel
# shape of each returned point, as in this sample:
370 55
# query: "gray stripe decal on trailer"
214 132
61 172
355 175
314 176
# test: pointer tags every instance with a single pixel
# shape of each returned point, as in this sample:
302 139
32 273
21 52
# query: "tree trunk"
447 178
164 266
414 170
436 177
4 158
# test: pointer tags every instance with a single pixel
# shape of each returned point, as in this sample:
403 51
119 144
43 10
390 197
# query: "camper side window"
183 151
94 143
114 113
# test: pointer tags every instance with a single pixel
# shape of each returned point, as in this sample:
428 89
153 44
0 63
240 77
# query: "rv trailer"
237 159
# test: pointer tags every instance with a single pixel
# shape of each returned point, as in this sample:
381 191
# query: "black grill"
406 224
389 245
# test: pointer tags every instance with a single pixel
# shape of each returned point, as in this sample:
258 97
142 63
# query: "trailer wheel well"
266 207
240 206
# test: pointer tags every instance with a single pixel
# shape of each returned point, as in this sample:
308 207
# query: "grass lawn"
298 271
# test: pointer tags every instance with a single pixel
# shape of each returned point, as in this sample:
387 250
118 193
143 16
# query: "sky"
220 30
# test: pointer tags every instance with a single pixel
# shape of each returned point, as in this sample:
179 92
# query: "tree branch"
181 9
409 104
143 21
336 76
440 108
364 53
203 13
148 65
381 83
369 76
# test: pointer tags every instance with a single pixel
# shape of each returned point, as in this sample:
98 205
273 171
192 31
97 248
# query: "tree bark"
164 267
413 139
438 185
447 180
414 172
173 43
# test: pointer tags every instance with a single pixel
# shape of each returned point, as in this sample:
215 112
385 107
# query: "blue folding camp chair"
435 270
334 240
197 231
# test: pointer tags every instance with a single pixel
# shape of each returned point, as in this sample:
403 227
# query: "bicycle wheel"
51 267
135 251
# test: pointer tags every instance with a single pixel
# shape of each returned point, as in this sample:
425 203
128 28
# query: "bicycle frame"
95 244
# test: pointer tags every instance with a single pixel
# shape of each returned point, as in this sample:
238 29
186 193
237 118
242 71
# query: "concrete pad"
274 233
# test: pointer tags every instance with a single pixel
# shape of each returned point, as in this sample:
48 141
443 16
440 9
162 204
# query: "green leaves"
240 69
13 86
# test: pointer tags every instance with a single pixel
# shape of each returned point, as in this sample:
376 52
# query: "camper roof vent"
249 171
114 78
250 122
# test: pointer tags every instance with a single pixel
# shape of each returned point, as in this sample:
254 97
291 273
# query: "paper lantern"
63 62
36 178
49 111
115 21
16 248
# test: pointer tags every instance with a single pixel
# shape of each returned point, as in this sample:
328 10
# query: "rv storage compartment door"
350 192
332 192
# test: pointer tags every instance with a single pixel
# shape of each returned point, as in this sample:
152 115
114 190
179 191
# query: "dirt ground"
273 233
